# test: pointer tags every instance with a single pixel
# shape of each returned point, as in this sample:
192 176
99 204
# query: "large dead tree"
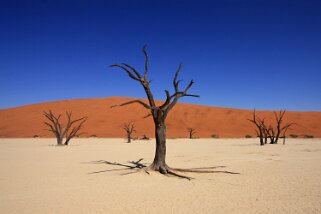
260 128
159 113
191 132
61 132
129 129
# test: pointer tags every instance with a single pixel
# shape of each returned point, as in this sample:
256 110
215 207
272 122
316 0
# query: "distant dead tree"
145 137
159 113
279 127
265 132
191 132
260 128
129 128
61 132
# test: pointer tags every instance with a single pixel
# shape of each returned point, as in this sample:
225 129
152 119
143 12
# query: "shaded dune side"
103 121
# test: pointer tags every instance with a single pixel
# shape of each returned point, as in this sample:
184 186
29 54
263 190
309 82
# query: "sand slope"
27 121
38 177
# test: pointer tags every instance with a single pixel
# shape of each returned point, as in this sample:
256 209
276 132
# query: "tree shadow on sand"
136 166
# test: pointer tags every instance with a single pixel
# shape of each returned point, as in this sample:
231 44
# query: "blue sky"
242 54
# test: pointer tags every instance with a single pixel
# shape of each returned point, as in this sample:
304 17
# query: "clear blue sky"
263 54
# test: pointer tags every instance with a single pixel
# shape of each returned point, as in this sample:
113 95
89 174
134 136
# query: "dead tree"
129 128
260 130
145 137
191 132
158 112
279 128
61 132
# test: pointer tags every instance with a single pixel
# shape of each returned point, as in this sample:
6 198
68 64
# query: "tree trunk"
265 138
60 140
277 137
159 163
261 138
67 141
272 140
128 139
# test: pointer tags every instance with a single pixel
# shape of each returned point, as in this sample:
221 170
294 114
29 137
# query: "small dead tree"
129 128
61 132
145 137
159 113
191 132
260 128
279 128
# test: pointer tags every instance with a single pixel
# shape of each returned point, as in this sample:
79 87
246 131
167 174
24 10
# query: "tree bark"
159 163
60 141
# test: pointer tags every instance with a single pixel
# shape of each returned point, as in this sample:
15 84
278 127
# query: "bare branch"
75 129
188 87
168 99
55 124
146 62
191 95
150 114
260 131
169 103
134 70
134 101
175 82
130 74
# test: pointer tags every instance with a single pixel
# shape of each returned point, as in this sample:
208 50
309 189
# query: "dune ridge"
103 121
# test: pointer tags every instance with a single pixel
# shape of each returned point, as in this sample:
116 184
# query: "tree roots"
137 166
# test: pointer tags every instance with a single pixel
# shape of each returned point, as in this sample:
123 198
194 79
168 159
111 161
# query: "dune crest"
103 121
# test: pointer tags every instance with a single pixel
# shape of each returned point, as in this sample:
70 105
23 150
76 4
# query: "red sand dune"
103 121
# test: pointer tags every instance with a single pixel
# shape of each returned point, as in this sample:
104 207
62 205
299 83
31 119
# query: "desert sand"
38 177
103 121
